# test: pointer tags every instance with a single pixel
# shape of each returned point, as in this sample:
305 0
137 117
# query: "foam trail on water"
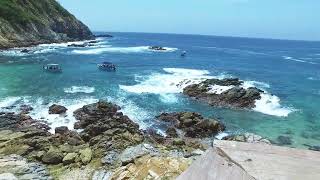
79 89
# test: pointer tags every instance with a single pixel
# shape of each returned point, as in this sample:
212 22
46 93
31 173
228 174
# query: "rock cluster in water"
234 97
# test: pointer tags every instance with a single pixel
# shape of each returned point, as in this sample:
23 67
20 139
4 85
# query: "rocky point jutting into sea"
32 22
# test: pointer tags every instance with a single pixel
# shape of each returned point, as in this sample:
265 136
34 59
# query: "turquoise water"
145 83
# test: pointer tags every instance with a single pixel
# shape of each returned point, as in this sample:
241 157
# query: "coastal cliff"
31 22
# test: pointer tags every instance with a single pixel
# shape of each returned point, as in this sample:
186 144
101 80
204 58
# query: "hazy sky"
281 19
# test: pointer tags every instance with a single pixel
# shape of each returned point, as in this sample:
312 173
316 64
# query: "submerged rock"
224 93
284 140
192 124
57 109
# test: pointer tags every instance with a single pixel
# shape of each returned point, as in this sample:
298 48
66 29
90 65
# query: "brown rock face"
57 109
104 126
192 124
235 97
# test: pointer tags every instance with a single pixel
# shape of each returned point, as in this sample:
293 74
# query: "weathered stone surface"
110 158
16 167
57 109
101 175
215 164
148 167
247 137
85 155
234 97
265 162
132 153
192 124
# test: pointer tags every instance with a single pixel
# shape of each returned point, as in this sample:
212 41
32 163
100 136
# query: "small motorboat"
55 68
107 66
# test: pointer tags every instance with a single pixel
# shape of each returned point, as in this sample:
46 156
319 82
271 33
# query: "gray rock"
101 175
110 158
132 153
16 167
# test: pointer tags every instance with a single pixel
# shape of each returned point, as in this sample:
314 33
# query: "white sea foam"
40 112
168 84
270 104
79 89
221 135
261 85
137 49
171 82
217 89
133 111
9 101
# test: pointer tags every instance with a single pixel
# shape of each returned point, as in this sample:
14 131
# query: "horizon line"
243 37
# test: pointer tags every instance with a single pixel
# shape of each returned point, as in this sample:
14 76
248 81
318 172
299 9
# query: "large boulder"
57 109
69 158
85 155
103 126
224 93
192 124
53 156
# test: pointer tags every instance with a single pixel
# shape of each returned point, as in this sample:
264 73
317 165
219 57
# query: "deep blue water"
145 83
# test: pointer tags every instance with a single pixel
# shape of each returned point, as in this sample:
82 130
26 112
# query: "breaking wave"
174 80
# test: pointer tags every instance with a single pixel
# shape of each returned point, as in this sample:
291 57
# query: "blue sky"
279 19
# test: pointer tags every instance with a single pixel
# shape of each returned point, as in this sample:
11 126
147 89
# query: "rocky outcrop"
224 93
192 125
31 22
57 109
103 126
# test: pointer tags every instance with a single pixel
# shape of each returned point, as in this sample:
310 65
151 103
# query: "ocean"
145 83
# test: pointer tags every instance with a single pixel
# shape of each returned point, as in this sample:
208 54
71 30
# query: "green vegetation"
25 11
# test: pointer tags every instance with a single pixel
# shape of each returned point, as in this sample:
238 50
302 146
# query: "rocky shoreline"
106 144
